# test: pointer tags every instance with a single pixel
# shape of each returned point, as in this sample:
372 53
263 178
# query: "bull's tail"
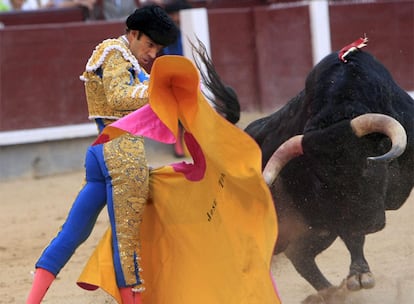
225 99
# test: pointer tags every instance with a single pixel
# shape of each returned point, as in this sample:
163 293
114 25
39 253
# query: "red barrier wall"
233 49
264 52
44 16
40 69
389 26
285 54
254 50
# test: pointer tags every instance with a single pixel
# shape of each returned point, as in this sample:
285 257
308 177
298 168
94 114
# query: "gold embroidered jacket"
112 81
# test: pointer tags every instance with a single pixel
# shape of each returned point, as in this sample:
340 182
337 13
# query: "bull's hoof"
363 280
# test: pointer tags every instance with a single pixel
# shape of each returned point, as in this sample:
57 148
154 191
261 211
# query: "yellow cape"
206 237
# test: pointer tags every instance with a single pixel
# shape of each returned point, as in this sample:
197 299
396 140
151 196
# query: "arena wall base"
42 159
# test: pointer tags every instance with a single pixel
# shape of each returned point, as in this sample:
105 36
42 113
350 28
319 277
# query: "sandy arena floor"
33 209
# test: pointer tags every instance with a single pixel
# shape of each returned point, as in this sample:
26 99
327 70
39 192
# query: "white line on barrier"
27 136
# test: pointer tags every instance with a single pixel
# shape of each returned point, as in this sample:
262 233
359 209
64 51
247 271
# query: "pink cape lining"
145 122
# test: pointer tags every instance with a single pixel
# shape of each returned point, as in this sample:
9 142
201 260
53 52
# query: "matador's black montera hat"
154 22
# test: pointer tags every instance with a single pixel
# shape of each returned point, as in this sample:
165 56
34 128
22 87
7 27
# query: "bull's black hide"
332 190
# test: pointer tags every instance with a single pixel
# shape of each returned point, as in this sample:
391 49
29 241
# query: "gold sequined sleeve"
124 92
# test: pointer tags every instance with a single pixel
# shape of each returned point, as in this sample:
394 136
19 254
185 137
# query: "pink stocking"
130 297
42 280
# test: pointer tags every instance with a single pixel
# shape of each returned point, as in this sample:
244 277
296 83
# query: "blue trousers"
117 168
81 218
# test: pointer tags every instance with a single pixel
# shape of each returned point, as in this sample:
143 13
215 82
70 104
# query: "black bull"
335 187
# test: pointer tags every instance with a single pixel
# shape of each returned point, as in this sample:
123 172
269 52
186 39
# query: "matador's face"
143 47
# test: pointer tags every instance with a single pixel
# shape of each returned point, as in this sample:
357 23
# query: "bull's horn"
288 150
373 122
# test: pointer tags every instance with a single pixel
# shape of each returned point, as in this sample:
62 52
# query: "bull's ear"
174 84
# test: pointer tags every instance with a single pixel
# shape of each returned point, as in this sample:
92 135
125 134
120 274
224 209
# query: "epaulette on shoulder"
104 48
